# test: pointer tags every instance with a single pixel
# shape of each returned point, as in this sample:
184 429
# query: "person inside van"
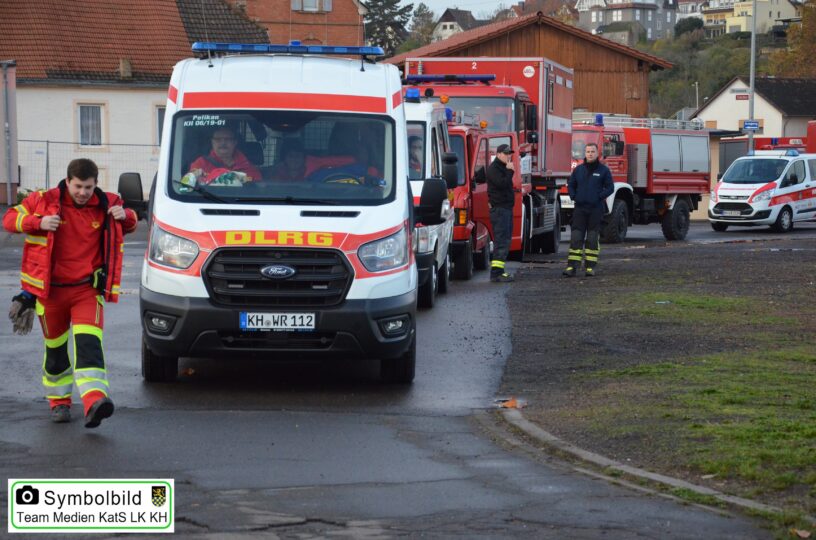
415 157
292 164
224 157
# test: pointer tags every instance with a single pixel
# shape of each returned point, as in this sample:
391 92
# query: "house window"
90 125
159 122
594 16
649 16
659 25
668 16
310 5
617 15
649 33
637 14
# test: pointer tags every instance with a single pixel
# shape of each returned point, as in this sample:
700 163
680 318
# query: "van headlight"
713 196
386 253
764 196
423 239
171 250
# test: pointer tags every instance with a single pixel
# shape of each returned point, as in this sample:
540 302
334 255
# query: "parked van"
299 242
428 145
774 188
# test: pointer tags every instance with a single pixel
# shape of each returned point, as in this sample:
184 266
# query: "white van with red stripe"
313 257
774 188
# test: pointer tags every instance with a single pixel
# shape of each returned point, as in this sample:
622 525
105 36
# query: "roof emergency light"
792 152
449 78
293 48
599 120
412 95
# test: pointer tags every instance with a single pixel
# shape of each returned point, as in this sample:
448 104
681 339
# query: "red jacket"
214 167
39 249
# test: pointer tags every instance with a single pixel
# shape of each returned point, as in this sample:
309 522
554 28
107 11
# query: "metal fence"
43 163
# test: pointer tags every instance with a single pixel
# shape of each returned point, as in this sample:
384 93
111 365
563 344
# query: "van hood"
725 189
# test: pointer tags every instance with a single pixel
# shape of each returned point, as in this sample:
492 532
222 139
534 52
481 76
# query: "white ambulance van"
428 146
772 187
282 216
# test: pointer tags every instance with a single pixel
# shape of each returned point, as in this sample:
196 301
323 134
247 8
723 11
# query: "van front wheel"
784 221
400 370
157 368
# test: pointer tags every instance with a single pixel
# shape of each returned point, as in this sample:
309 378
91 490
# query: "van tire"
445 274
719 226
481 260
427 292
676 221
463 265
157 368
616 223
400 370
784 221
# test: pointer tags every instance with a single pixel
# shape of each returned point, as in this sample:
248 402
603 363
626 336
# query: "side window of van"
436 166
812 167
481 162
795 174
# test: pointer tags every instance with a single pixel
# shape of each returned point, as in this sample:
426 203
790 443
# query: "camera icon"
27 495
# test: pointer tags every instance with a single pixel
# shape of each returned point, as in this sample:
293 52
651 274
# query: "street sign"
751 125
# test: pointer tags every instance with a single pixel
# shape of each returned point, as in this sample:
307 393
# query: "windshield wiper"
287 200
204 193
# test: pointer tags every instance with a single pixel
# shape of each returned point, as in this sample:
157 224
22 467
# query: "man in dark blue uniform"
589 186
501 197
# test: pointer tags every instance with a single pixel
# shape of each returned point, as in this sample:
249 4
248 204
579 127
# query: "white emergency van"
774 188
428 145
299 242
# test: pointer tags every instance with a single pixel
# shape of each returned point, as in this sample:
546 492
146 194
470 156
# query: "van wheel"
676 221
400 370
445 274
719 226
481 260
157 368
616 223
463 266
427 292
784 221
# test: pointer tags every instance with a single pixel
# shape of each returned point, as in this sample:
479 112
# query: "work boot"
103 408
570 270
589 272
502 278
61 414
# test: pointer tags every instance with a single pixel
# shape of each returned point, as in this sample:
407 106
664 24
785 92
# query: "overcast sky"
477 7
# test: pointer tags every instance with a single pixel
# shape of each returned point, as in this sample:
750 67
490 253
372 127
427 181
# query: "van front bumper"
741 214
198 328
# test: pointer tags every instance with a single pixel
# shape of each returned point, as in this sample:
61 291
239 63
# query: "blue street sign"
751 125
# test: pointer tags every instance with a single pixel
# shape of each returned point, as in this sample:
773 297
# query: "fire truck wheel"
427 292
784 221
719 226
615 224
481 260
463 265
445 274
400 370
551 241
676 221
157 368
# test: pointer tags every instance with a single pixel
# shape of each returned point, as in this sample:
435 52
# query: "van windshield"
498 112
282 157
754 171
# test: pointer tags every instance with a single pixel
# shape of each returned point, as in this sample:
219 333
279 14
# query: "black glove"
22 311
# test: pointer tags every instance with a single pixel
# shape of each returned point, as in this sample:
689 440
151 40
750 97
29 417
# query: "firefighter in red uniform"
72 264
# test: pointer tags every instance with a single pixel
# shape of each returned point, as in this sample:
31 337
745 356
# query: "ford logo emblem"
278 271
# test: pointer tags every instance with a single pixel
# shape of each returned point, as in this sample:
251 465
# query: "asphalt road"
261 448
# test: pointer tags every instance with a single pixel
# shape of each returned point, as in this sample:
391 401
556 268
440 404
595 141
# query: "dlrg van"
300 242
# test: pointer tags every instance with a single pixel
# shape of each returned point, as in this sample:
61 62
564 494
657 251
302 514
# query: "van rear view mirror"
130 189
449 170
434 194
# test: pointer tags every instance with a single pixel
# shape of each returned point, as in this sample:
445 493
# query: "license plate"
280 322
732 213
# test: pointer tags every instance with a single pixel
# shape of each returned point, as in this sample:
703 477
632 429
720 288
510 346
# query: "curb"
517 419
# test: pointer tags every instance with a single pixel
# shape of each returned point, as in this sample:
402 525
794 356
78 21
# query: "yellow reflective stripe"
91 386
590 258
31 280
593 251
575 251
54 381
58 396
88 329
39 240
39 308
574 258
57 341
91 373
497 264
22 212
122 247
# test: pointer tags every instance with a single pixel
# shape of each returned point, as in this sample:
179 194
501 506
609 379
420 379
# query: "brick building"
312 22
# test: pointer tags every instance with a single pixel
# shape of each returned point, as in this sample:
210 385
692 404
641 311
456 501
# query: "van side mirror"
434 194
531 120
130 189
449 170
532 137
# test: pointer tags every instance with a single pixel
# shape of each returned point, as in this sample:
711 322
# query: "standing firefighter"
589 185
501 197
72 264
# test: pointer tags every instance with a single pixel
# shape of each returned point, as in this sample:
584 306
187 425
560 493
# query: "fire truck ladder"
624 120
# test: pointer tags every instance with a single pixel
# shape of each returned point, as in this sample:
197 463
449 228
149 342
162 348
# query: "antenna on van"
206 34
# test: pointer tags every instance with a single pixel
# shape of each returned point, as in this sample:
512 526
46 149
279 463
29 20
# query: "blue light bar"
450 78
792 152
294 48
599 120
448 114
412 95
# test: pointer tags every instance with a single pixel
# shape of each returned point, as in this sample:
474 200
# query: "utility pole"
753 70
697 95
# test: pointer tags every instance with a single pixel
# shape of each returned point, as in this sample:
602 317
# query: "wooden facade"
609 78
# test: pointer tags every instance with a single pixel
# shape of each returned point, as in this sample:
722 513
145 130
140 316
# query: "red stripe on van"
172 93
396 100
279 100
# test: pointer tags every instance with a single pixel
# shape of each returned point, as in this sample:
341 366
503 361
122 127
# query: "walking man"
501 198
589 186
72 265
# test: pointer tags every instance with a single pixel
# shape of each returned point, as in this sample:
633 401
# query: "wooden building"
609 77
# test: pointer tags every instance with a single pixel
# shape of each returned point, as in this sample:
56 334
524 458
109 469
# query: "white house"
92 78
454 21
782 106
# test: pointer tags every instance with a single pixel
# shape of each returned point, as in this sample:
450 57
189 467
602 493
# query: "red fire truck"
661 169
528 98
